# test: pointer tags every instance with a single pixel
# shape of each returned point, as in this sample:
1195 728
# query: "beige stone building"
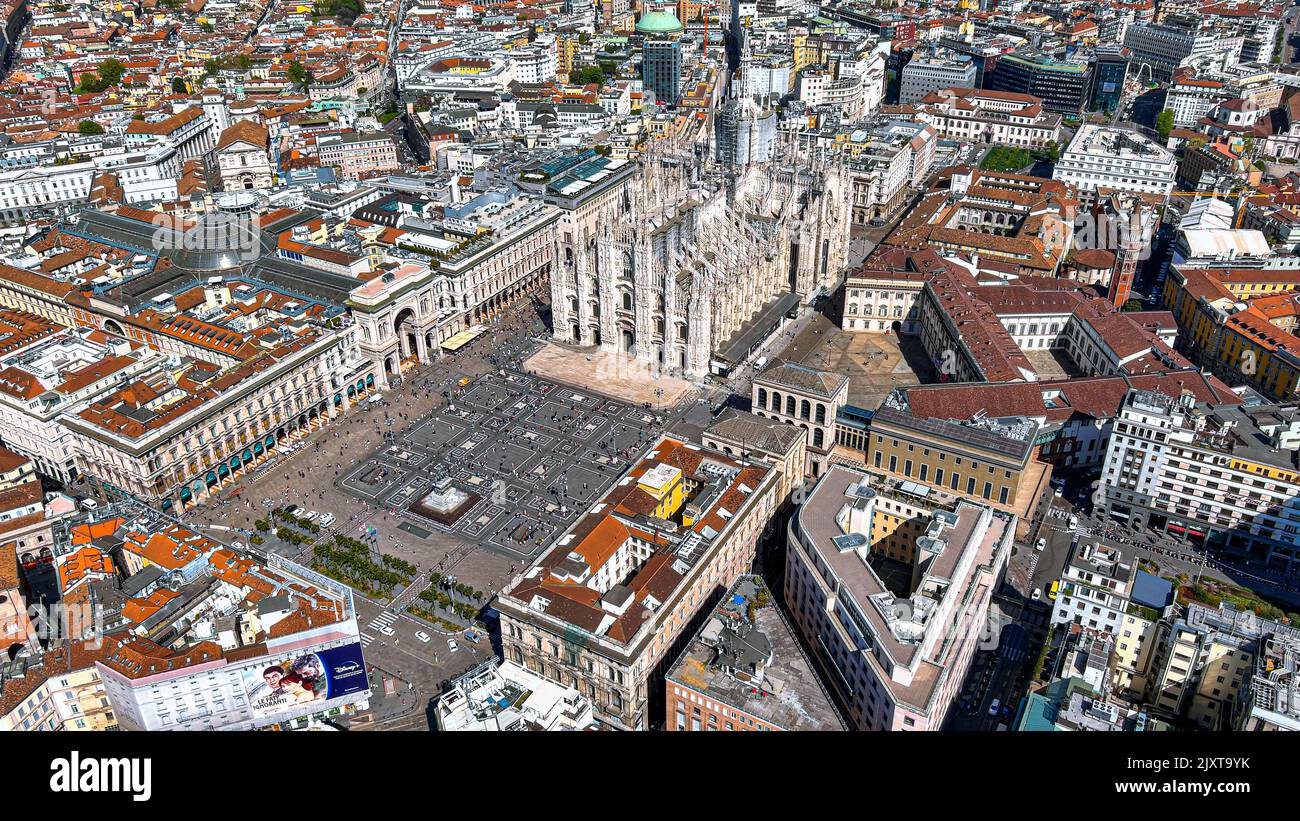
806 398
611 604
981 458
61 690
749 436
242 157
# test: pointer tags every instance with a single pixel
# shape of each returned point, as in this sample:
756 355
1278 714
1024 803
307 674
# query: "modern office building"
1109 73
1166 47
924 75
1064 86
889 585
661 56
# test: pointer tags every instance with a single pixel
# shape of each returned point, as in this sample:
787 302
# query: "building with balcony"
1222 474
1100 158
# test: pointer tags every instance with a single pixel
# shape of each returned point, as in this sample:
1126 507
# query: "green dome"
659 22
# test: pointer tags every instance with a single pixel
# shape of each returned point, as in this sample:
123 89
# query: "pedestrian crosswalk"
382 620
366 638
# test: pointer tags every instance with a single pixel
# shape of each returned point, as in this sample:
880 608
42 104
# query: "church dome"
658 22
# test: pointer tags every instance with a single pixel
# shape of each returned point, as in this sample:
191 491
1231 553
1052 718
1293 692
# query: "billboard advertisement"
301 680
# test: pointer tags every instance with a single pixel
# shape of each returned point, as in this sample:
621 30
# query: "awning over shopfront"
463 338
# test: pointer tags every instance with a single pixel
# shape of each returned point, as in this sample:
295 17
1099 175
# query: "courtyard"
874 363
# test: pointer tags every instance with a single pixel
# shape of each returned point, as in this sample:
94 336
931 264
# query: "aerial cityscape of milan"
600 365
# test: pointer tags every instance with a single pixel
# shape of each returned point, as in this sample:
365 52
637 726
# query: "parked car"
1042 543
422 636
1038 594
293 510
386 630
1051 592
326 519
452 645
311 515
993 708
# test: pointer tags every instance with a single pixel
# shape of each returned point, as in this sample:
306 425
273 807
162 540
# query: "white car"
993 708
326 519
422 636
310 515
1038 594
1042 543
386 630
452 645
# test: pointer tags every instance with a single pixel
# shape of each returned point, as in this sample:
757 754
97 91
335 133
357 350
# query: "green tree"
299 74
89 128
1164 124
111 71
179 86
582 75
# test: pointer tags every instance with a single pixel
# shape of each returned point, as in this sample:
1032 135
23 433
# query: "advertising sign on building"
296 680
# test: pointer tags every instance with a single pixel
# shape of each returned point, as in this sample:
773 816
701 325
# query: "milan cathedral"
673 269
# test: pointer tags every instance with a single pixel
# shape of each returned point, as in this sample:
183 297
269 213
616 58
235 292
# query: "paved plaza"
614 375
528 455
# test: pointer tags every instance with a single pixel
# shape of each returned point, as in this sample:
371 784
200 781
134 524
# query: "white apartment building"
1094 590
1001 117
1100 157
1191 99
1222 474
534 64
